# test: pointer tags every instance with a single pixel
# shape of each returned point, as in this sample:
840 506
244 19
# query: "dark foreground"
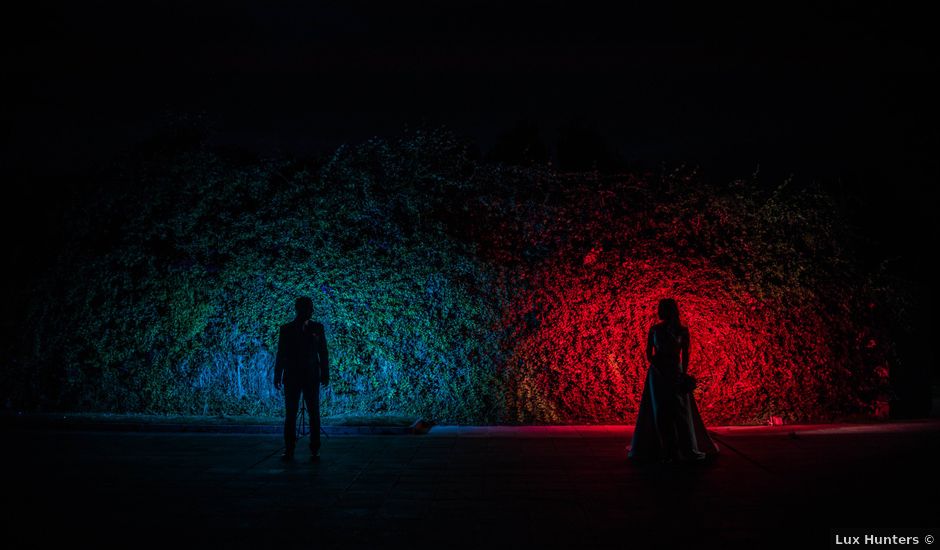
527 488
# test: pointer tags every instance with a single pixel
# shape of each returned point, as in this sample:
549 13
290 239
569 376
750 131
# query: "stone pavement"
465 487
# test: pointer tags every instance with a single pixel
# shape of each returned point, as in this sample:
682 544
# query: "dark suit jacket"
302 357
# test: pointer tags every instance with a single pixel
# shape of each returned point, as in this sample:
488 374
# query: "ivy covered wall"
450 289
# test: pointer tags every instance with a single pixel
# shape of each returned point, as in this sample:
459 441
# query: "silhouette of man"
302 364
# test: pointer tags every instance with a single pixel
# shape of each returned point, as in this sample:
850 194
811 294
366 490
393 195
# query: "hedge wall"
450 289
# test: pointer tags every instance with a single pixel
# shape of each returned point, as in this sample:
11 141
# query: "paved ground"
466 487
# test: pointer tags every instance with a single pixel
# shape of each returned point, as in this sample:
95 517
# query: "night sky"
840 94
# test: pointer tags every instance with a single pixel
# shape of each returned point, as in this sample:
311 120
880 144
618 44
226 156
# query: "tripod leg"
302 424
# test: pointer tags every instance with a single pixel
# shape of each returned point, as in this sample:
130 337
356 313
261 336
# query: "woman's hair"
668 311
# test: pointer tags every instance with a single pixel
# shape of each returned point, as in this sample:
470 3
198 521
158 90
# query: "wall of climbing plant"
452 289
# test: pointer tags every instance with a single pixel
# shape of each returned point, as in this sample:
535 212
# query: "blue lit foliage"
171 294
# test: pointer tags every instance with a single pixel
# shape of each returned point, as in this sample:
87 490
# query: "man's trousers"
311 394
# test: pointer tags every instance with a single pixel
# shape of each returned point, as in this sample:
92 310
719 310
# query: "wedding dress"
668 425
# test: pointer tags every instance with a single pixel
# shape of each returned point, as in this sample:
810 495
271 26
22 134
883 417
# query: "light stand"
302 420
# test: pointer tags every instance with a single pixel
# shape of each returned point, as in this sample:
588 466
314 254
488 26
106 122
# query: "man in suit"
302 364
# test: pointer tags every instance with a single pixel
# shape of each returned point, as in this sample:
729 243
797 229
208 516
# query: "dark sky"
835 92
789 85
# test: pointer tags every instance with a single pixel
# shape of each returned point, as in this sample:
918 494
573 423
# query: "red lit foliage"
775 314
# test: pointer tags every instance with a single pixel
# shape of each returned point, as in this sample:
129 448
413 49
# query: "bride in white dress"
668 425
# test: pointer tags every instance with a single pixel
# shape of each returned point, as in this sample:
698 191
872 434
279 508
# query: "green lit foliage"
172 290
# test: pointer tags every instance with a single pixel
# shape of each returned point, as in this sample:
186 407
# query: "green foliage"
173 287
